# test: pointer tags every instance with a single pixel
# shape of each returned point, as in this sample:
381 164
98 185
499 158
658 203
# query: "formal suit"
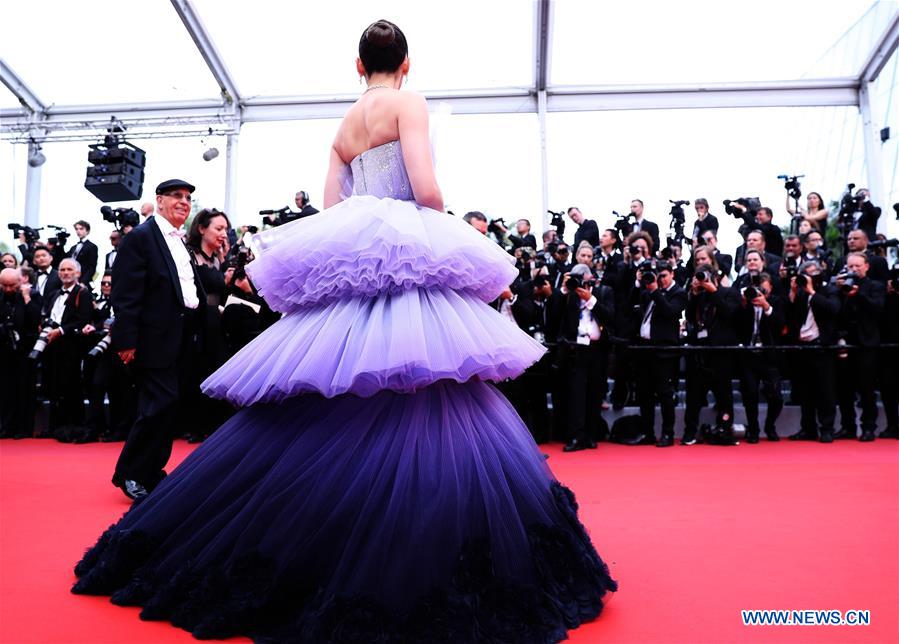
701 226
758 328
61 360
110 259
657 370
85 253
710 322
860 324
774 241
653 230
46 282
584 357
526 240
888 374
772 261
17 374
813 376
152 318
588 231
867 221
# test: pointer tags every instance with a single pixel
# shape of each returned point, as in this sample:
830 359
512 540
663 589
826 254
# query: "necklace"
371 87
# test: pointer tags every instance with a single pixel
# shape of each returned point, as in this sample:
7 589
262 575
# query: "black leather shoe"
826 437
752 439
667 440
890 432
844 434
689 438
867 436
134 490
802 435
574 445
772 436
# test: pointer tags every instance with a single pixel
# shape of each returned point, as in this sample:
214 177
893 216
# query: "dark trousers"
62 376
656 377
16 392
111 378
623 371
857 375
587 368
712 371
814 383
888 382
760 369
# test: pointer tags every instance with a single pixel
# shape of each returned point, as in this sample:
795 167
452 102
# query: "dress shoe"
689 438
867 436
802 435
667 440
134 490
752 439
890 432
772 436
826 437
574 445
844 434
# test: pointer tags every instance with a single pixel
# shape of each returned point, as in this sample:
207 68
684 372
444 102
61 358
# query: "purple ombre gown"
374 487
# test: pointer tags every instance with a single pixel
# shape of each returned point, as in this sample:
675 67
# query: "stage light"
210 154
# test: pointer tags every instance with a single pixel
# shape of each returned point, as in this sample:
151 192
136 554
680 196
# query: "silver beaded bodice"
380 172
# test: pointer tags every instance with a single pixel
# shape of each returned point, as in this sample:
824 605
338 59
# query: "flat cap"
173 184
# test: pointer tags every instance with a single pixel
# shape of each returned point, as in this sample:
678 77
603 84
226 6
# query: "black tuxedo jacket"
611 268
109 260
774 241
771 327
588 232
713 312
825 305
53 282
77 311
603 313
25 318
556 271
527 240
653 231
147 298
87 257
664 326
861 313
868 220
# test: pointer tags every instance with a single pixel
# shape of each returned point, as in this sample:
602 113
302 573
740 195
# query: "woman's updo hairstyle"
382 47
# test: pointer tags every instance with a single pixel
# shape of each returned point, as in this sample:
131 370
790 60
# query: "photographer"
863 301
755 240
524 236
814 250
246 313
115 237
46 277
609 258
476 220
759 323
812 314
587 230
774 242
561 264
710 313
661 305
705 221
85 251
644 225
301 199
20 315
725 262
791 260
857 242
863 213
888 374
106 375
815 212
66 312
588 309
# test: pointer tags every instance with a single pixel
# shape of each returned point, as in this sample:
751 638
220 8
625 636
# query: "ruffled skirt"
422 517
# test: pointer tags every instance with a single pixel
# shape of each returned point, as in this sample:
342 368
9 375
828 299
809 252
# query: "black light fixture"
36 158
885 135
211 152
116 172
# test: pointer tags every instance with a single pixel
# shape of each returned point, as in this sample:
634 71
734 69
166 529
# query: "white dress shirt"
587 329
59 306
175 241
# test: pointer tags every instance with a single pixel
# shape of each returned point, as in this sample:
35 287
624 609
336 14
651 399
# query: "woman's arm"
336 168
412 123
790 208
817 215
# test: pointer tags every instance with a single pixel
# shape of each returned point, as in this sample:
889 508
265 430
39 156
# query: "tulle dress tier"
374 487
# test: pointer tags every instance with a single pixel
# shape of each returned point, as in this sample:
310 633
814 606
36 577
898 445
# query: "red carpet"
693 535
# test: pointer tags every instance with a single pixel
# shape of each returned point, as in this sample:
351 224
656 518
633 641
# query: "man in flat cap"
155 297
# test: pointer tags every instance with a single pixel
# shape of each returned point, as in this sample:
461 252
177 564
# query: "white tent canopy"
190 68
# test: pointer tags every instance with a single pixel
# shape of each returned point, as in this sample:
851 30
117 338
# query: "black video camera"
624 224
120 217
31 234
277 217
558 222
61 234
497 226
791 185
751 204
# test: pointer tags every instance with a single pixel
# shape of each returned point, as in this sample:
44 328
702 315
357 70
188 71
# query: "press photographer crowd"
806 316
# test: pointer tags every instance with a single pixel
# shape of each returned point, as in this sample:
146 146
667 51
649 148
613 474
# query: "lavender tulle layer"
368 246
361 345
423 517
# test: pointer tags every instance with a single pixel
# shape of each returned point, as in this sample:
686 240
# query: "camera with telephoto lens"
753 290
883 243
790 266
9 336
238 260
277 217
100 348
42 339
722 434
649 272
574 282
120 217
703 275
849 279
752 204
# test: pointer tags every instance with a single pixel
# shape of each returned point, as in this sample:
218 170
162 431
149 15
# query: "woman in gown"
374 488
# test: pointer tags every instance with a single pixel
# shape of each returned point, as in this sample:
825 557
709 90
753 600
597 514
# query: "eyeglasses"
179 196
105 283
